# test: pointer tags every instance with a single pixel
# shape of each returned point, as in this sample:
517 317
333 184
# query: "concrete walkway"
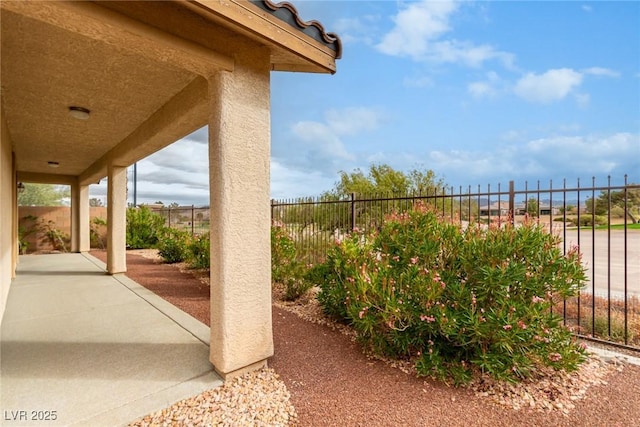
80 347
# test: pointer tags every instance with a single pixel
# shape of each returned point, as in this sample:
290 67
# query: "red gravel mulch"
332 383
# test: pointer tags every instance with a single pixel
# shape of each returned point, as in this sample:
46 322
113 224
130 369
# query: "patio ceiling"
141 71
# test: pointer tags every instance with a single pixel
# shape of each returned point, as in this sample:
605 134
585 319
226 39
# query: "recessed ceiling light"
53 164
80 113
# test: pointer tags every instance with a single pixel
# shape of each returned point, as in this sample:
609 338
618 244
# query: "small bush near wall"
199 251
37 222
143 228
455 301
173 245
286 268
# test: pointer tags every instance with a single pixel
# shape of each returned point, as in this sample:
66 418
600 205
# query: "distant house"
495 209
521 209
549 210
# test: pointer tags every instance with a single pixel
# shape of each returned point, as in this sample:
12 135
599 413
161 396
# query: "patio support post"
80 218
116 219
239 138
85 219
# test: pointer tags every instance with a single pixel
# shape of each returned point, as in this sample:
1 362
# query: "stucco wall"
239 139
6 214
60 216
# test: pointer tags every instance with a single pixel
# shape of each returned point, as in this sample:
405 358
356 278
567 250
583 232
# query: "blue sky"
480 92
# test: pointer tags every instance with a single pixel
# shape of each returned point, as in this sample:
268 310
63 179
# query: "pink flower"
428 319
414 260
507 327
522 325
363 312
555 357
537 299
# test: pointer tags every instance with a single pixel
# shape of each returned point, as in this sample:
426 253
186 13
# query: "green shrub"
173 245
283 253
286 268
95 236
617 212
587 220
143 228
31 226
455 301
54 236
199 251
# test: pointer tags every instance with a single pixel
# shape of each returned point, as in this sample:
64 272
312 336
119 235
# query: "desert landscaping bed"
320 377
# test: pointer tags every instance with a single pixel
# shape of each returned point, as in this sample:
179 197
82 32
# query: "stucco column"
116 219
80 232
239 138
76 216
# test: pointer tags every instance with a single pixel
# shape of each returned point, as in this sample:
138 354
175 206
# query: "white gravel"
257 398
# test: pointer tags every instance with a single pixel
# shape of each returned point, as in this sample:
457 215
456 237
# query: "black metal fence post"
353 211
512 202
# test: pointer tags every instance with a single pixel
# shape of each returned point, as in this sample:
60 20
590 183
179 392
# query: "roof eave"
260 24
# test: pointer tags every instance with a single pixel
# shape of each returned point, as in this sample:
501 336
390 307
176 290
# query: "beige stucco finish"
116 219
151 73
7 216
239 180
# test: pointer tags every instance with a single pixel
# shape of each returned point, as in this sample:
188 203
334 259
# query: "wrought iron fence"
187 218
601 220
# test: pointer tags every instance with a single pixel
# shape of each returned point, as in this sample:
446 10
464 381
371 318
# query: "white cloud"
287 181
418 32
587 8
550 86
416 26
320 140
186 155
592 155
601 72
480 89
491 86
356 30
353 120
319 146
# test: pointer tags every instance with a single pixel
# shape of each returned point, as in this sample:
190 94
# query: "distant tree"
379 181
616 199
43 195
532 207
94 202
174 205
384 180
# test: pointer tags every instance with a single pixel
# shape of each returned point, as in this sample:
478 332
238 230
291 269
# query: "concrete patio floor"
94 349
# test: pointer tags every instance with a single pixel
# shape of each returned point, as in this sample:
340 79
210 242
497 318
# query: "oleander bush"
286 266
173 245
143 228
199 251
455 301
